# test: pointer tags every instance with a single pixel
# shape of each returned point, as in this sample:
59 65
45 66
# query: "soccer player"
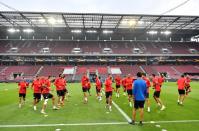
98 88
60 84
129 87
108 92
157 87
65 90
139 93
89 87
36 86
124 85
161 79
118 83
22 91
181 89
148 84
187 84
84 82
47 95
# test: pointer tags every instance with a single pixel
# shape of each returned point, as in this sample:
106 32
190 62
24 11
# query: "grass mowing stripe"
94 124
120 110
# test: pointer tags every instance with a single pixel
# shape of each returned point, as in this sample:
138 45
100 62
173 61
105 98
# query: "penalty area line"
121 111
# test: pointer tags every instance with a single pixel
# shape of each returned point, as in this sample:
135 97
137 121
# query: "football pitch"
94 116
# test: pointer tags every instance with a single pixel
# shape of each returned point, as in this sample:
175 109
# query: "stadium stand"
97 47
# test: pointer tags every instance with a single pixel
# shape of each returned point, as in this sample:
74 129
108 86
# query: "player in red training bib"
36 86
187 84
117 85
108 92
129 88
157 87
47 95
23 85
148 84
84 82
98 85
181 89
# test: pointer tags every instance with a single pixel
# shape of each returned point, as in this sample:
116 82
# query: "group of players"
42 87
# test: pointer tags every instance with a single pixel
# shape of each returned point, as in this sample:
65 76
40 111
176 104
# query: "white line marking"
120 110
94 124
71 124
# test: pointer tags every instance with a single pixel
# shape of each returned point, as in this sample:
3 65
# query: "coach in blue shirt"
139 93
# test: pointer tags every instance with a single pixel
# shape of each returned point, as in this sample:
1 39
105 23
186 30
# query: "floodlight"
166 32
12 30
91 31
107 31
52 20
132 22
152 32
28 30
41 20
76 31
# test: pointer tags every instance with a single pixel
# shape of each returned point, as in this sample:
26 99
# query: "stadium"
97 44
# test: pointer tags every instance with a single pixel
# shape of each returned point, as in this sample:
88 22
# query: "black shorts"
130 92
47 96
117 86
147 95
156 94
37 96
98 90
84 89
60 93
108 94
65 90
181 92
22 95
138 104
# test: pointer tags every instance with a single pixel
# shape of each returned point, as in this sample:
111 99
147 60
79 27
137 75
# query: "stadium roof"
97 21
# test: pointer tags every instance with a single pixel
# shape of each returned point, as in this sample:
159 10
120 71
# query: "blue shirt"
139 89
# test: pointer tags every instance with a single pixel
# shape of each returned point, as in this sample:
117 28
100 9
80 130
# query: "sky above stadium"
105 6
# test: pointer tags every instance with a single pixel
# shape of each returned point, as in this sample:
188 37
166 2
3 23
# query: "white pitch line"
94 124
69 124
121 111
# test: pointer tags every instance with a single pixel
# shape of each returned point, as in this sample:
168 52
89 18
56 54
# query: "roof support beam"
153 23
187 23
67 26
13 23
170 23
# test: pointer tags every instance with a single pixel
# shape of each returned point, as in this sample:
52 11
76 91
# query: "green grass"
75 111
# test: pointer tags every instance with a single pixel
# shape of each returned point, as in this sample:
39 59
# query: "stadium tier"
29 72
97 47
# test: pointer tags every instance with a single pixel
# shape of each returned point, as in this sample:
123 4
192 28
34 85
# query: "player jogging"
148 84
60 84
187 85
22 92
129 87
84 82
36 86
47 95
156 95
181 89
98 88
108 92
89 87
117 84
124 85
